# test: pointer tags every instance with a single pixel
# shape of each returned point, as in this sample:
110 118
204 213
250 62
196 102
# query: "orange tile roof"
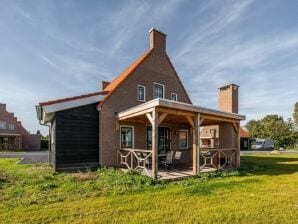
115 83
124 75
72 98
243 133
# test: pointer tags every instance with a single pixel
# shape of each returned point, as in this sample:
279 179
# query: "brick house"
140 117
13 136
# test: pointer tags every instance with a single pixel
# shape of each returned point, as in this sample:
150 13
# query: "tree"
295 114
273 127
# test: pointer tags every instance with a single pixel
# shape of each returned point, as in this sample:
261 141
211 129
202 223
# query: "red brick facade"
156 68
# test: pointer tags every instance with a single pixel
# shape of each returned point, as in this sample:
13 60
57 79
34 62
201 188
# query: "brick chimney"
157 40
228 98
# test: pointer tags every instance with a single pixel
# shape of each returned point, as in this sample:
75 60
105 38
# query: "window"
2 125
209 143
174 96
158 90
183 139
126 137
141 93
245 144
11 127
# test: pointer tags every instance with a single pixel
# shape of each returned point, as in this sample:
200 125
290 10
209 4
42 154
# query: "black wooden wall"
244 144
77 137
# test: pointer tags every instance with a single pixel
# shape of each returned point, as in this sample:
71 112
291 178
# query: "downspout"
39 117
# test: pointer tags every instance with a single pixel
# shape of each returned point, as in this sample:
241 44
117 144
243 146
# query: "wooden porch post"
236 126
196 145
198 122
238 146
154 144
20 142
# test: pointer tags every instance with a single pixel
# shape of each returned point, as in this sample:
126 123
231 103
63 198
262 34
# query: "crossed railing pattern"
209 157
138 159
8 146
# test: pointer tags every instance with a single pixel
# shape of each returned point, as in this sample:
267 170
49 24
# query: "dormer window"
141 93
174 96
11 127
158 90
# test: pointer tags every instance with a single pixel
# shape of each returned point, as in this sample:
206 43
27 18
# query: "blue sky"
54 49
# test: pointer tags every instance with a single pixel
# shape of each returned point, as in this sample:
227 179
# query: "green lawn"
264 190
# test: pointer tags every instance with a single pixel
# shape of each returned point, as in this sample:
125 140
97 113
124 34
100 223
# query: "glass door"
164 139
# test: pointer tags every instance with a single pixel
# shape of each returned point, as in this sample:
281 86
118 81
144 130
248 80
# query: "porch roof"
208 116
9 134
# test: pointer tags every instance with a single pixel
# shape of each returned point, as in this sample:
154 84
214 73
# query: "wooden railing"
141 159
8 147
138 159
219 158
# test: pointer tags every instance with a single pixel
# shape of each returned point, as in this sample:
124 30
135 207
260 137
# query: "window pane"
158 91
126 137
174 96
2 125
141 93
183 139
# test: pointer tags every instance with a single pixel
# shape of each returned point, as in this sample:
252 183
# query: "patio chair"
177 157
168 160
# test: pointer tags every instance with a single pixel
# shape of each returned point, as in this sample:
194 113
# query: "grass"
264 190
11 151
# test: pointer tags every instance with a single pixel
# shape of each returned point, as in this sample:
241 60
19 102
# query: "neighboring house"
136 119
244 139
13 136
209 137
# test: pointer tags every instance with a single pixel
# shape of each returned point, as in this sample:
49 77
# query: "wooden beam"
201 121
154 144
162 117
235 126
125 115
176 112
150 118
216 118
191 122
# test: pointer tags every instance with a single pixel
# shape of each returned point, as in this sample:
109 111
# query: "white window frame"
163 89
133 134
138 86
174 94
3 125
10 127
187 138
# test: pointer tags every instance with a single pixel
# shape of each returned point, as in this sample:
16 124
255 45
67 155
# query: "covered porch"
183 122
10 141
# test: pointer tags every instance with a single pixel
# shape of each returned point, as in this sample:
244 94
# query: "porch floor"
175 174
178 174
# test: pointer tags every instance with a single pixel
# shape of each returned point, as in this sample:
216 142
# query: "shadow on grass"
271 165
